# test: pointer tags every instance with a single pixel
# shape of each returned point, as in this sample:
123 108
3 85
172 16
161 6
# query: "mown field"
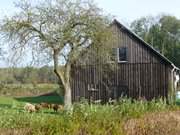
20 90
126 117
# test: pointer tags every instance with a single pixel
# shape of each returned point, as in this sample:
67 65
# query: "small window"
122 54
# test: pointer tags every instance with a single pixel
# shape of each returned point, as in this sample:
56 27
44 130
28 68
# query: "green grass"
10 102
39 99
83 119
178 101
27 89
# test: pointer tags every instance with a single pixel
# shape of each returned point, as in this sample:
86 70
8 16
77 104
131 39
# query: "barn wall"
144 75
132 80
137 51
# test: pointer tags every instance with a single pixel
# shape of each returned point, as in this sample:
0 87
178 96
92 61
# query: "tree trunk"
63 75
67 86
67 95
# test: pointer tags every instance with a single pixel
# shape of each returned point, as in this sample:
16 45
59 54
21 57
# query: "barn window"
122 54
119 54
114 54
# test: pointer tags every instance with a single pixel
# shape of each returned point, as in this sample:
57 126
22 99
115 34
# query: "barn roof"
121 26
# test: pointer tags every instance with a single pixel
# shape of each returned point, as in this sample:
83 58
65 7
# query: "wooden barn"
141 71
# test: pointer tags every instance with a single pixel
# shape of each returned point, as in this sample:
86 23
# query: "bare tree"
58 28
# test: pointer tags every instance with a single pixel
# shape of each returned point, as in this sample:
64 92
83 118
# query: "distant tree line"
162 32
27 75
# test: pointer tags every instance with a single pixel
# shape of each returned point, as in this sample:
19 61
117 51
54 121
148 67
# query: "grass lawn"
178 102
124 118
27 89
15 120
18 103
51 98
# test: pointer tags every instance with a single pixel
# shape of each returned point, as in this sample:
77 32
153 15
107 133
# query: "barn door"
93 92
121 91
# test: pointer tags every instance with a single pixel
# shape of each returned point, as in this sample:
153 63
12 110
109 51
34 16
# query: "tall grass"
82 119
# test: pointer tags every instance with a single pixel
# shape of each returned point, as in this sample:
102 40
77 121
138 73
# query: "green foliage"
81 119
27 89
27 75
162 33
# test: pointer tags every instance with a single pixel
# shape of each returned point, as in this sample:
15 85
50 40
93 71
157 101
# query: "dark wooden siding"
133 80
145 74
137 52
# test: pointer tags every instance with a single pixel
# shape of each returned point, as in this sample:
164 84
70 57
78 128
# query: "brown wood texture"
145 74
133 80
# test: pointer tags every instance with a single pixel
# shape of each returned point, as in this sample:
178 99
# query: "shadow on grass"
52 97
51 112
5 106
178 103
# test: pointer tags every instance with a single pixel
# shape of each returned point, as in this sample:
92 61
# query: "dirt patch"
165 123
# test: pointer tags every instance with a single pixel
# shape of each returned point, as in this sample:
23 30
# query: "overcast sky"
129 10
124 10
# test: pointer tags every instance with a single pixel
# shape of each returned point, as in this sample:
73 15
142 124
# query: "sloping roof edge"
144 43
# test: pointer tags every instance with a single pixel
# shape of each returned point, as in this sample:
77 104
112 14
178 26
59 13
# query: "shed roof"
121 26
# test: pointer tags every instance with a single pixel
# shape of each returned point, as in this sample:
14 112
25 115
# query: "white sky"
129 10
124 10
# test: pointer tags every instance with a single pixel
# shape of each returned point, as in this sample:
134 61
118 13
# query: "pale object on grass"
29 107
